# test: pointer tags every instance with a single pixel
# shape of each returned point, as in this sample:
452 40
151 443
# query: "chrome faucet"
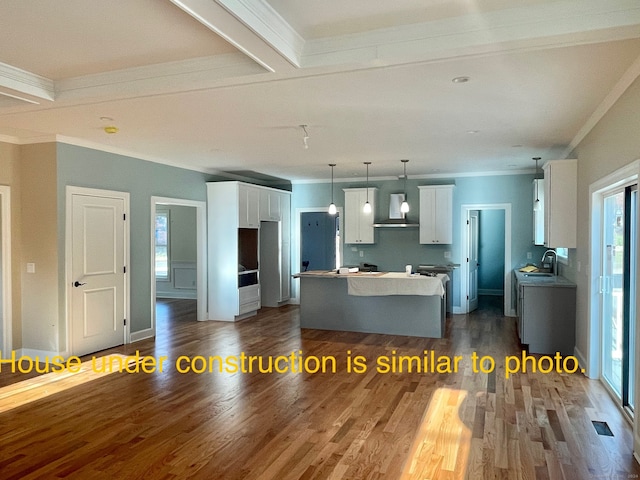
554 260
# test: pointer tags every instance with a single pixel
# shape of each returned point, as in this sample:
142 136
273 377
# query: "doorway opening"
178 258
5 271
319 239
486 255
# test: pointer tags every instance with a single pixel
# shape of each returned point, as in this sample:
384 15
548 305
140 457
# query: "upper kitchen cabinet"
270 205
248 206
358 225
436 214
560 191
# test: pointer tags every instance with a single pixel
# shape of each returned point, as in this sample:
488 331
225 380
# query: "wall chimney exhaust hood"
396 217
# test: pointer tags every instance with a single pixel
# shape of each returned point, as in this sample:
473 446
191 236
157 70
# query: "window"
162 245
563 255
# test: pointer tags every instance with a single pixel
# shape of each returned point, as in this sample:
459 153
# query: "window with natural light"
162 245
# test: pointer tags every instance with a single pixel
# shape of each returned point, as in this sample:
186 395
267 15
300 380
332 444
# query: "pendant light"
332 208
367 205
404 207
536 205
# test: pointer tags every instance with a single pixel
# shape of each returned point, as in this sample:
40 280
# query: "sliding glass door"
617 287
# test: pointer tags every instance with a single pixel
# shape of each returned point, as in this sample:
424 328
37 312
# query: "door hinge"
124 217
467 222
125 322
124 269
467 259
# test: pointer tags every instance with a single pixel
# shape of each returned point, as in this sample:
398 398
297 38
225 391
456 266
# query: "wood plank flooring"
343 425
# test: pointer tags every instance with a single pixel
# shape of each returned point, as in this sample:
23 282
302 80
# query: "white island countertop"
366 284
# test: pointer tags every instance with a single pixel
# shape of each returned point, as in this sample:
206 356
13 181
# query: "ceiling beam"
251 26
26 86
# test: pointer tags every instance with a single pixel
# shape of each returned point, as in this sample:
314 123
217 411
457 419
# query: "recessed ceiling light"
106 119
473 132
516 146
462 79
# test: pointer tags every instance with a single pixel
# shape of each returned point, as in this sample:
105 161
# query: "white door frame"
464 248
201 254
593 356
297 242
7 317
94 192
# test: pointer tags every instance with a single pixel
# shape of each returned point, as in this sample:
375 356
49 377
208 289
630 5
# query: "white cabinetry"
436 214
358 226
237 236
249 205
561 191
270 204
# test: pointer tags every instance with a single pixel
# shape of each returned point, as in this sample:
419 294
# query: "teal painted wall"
397 247
84 167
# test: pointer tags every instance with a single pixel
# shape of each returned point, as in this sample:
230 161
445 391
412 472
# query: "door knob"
77 283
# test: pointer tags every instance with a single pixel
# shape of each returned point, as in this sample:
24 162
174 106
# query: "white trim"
201 254
464 245
267 23
594 327
142 335
612 97
582 362
5 234
32 85
33 353
297 244
95 192
622 176
424 176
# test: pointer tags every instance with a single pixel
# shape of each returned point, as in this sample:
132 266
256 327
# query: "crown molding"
621 86
563 23
267 23
25 85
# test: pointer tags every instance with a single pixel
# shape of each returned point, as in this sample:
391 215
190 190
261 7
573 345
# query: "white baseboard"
187 295
582 362
488 291
142 335
41 354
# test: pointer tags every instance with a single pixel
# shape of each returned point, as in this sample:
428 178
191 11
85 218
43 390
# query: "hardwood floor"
311 425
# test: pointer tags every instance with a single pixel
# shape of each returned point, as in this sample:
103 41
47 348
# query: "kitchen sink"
538 274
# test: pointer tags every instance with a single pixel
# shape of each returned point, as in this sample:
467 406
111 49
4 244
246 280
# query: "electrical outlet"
361 254
31 268
529 255
354 249
447 254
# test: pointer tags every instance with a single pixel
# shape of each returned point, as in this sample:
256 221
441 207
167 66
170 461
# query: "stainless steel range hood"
396 217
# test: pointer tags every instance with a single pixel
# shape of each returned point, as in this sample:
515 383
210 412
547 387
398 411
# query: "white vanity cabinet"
561 192
358 225
436 214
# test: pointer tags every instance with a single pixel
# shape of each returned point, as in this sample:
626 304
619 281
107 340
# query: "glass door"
617 287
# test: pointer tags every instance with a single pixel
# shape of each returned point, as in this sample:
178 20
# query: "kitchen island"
388 303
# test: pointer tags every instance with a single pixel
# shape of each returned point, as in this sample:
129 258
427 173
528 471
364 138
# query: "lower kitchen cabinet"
547 316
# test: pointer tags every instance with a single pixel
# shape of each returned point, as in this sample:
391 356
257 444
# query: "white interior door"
98 260
472 259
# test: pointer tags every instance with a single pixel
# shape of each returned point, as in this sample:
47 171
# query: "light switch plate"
31 268
447 254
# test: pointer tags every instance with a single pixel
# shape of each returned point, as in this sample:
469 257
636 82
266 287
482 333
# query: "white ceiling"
225 85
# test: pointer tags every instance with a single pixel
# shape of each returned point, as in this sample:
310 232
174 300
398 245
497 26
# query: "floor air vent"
602 428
